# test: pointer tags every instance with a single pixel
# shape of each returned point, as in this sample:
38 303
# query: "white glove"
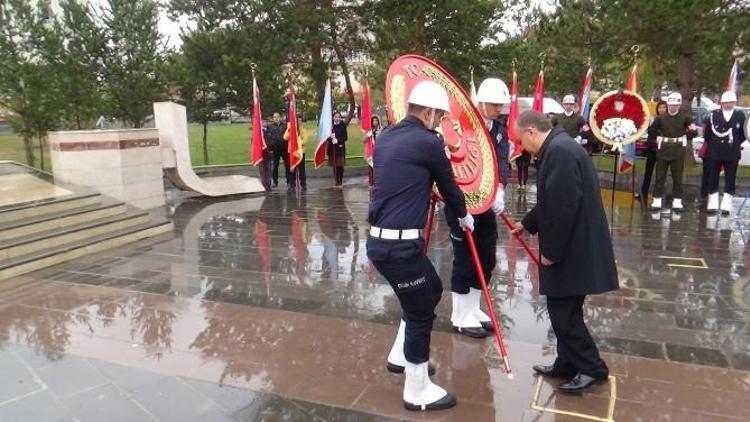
577 139
467 222
334 141
584 141
368 134
499 205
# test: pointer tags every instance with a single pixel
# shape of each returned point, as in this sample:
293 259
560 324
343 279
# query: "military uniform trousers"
417 286
464 273
712 169
670 157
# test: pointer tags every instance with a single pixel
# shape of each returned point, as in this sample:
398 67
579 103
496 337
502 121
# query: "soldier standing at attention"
671 139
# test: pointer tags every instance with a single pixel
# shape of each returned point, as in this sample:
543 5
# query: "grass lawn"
227 144
230 143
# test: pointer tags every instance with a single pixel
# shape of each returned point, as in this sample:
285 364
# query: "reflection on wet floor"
249 292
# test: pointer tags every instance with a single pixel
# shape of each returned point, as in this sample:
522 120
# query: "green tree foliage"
132 76
29 92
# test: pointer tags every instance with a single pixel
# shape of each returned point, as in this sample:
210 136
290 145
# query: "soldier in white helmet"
723 132
575 125
409 159
467 317
671 131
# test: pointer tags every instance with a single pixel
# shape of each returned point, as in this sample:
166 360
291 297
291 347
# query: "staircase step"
66 218
37 242
54 255
32 209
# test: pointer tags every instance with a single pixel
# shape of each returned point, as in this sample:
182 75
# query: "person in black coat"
651 149
337 149
574 243
276 143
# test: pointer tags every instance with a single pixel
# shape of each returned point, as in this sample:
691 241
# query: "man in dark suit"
574 243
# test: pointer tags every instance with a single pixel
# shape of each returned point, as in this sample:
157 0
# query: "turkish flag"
257 141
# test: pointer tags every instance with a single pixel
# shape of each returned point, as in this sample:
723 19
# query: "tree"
685 44
132 76
28 87
448 31
78 47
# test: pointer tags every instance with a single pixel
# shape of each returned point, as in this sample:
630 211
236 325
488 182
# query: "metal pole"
488 300
518 237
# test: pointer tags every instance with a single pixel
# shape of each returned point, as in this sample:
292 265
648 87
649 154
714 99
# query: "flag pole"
614 182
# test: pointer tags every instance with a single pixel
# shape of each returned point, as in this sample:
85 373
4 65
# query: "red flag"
258 141
632 83
585 94
538 104
515 147
295 147
366 122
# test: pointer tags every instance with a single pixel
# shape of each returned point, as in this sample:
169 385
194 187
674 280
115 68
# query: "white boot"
420 393
726 204
396 358
677 204
656 204
475 296
713 203
462 316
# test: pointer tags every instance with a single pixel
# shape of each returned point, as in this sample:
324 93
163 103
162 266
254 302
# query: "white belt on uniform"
664 140
390 234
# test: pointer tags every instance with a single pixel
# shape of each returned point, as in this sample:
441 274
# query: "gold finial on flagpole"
513 62
253 66
636 50
543 57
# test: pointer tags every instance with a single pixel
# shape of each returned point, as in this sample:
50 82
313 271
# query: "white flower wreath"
618 129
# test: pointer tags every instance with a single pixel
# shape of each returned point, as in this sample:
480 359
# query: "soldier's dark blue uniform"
724 139
408 160
464 274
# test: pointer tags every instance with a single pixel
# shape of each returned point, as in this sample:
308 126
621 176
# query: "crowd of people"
667 141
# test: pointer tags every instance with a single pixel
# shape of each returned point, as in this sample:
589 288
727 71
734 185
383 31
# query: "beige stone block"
93 177
140 156
142 173
113 191
144 189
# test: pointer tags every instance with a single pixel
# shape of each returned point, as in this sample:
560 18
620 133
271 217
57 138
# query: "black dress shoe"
487 325
448 401
398 369
580 383
551 371
474 332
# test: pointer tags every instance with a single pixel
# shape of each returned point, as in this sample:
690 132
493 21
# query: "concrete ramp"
171 121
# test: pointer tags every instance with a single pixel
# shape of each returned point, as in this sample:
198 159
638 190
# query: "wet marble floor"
266 308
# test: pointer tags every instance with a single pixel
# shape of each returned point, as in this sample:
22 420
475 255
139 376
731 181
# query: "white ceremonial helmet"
431 95
728 97
674 98
569 99
493 91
